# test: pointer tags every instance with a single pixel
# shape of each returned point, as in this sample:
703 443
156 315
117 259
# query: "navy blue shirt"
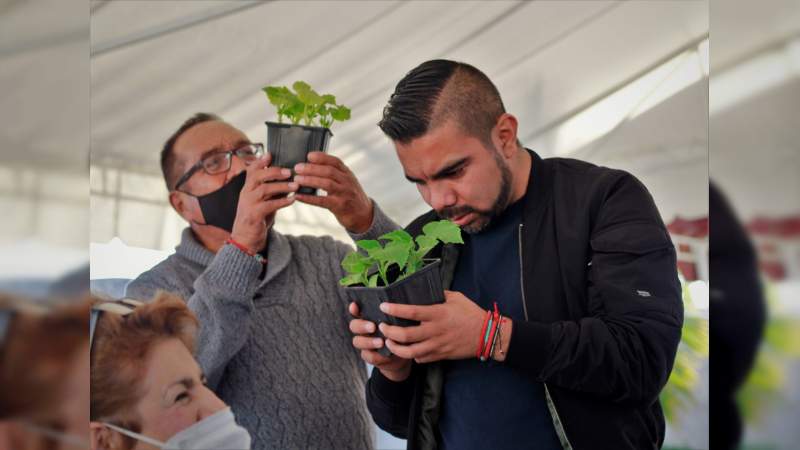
489 405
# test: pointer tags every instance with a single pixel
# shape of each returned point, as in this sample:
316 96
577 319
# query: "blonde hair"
120 346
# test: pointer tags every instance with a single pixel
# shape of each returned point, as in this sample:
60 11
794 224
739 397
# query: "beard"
484 217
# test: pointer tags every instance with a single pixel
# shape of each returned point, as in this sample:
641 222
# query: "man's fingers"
257 177
255 170
359 326
270 206
367 343
318 170
316 200
318 182
374 358
353 308
405 335
410 312
410 351
321 158
269 190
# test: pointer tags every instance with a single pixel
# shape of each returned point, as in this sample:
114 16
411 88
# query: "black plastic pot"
290 145
423 287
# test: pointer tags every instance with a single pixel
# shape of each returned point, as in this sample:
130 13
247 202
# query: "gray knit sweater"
277 350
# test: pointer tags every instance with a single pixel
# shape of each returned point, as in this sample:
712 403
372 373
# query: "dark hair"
168 152
439 90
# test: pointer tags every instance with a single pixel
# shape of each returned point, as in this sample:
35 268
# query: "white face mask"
216 432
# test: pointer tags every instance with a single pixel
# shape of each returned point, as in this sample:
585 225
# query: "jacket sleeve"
624 348
222 300
389 402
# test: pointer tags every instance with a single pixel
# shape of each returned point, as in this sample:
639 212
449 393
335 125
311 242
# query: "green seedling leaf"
341 113
280 95
397 253
306 105
397 236
425 244
356 263
445 231
400 249
372 247
413 264
351 279
306 94
373 281
295 112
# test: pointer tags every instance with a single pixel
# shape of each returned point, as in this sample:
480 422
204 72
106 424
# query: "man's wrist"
364 223
501 351
248 248
398 375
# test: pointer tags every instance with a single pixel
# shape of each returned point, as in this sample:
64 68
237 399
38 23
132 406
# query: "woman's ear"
103 438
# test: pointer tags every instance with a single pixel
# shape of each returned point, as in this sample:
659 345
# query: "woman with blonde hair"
147 390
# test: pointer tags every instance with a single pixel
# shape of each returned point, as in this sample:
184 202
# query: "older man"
273 338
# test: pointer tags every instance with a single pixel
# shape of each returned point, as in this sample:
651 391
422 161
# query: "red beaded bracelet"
246 250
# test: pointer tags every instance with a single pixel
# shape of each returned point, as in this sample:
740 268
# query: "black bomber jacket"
605 357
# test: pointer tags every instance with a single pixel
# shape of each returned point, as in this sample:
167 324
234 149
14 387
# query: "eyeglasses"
220 162
122 307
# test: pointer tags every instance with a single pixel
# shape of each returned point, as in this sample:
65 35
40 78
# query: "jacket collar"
279 252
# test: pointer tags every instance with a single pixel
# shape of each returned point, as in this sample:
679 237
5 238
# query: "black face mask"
219 207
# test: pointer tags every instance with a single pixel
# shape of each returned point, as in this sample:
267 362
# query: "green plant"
305 104
400 249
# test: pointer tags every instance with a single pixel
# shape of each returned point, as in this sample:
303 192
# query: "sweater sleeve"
223 302
381 224
624 348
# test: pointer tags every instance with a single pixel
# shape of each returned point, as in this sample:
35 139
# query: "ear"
505 135
182 205
100 437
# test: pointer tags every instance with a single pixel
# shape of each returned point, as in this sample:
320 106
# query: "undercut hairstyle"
168 160
437 91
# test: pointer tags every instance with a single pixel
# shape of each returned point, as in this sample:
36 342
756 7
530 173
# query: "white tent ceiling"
156 63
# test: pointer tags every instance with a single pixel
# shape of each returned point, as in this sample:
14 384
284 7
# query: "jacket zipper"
562 434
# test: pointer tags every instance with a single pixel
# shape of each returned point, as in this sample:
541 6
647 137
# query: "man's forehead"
207 136
436 150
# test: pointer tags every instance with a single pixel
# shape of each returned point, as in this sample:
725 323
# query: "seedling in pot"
397 272
306 105
310 115
403 251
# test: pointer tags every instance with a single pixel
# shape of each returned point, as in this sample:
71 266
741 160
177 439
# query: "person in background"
44 374
147 391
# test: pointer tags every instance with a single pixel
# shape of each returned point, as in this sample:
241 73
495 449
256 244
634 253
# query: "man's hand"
446 331
346 199
261 196
393 368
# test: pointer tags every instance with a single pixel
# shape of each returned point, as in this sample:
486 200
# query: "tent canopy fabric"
154 64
